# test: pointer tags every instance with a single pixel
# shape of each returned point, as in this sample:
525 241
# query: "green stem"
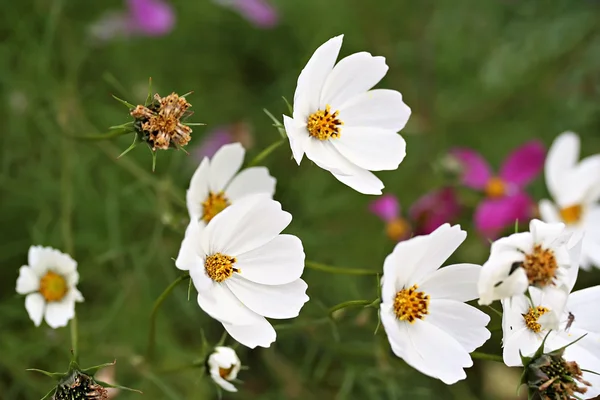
265 153
351 303
104 136
486 356
301 324
336 270
156 307
74 339
195 364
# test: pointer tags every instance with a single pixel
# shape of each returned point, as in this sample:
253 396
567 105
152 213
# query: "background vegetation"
484 74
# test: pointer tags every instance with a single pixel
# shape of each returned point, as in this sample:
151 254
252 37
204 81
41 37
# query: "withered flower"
80 386
160 122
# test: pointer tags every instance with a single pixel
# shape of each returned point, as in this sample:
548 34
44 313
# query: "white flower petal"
35 304
64 264
548 235
454 282
379 108
398 267
27 281
362 181
562 156
260 334
371 148
246 225
523 340
272 301
59 313
515 245
278 262
549 212
501 276
583 304
198 190
325 155
224 164
586 179
40 259
312 77
298 136
250 181
352 75
221 304
191 252
463 322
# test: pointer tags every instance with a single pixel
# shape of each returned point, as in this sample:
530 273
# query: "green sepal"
124 102
54 375
109 385
50 393
131 147
91 371
149 97
289 106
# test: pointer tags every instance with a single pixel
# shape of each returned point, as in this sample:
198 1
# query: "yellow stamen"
324 124
214 204
571 214
540 266
220 267
397 229
53 286
495 188
532 316
410 305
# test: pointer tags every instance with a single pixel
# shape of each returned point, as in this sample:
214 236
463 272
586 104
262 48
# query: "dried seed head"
80 387
553 378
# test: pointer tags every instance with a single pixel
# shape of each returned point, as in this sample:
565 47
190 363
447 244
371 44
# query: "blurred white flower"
223 366
526 322
423 310
575 188
244 270
216 183
49 281
541 257
342 125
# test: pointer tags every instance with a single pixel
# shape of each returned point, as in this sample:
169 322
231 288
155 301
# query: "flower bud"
223 366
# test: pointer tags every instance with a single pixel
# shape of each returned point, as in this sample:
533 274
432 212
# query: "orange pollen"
53 287
397 229
571 214
540 266
495 188
324 124
214 204
220 267
532 317
225 372
410 305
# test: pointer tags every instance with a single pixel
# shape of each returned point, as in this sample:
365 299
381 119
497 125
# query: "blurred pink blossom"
506 200
434 209
141 18
387 207
258 12
220 136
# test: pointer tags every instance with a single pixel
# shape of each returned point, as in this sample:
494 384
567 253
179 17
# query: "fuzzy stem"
336 270
155 308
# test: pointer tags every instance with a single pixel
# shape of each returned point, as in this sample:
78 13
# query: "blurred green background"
484 74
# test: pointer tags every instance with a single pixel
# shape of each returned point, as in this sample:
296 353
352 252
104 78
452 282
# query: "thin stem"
195 364
351 303
486 356
265 153
301 324
74 338
157 304
336 270
103 136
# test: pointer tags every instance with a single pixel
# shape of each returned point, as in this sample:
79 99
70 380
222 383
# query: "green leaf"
131 147
125 103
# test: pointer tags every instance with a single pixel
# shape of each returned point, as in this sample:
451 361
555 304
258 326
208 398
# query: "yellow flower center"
220 267
214 204
397 229
532 316
495 188
53 286
540 266
571 214
225 372
324 124
410 305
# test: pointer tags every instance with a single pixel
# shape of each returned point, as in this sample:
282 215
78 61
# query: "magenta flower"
258 12
506 200
434 209
387 207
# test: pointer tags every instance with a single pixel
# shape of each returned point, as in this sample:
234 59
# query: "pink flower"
387 207
258 12
434 209
220 136
506 200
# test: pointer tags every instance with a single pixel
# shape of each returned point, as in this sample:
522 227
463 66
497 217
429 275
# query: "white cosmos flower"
423 307
342 125
216 183
49 281
541 257
524 327
223 366
575 188
244 270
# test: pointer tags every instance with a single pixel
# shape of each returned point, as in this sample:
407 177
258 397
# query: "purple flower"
506 200
258 12
387 207
434 209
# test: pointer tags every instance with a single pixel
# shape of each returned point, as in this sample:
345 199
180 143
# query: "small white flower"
423 310
216 183
541 257
575 188
244 270
524 326
224 365
342 125
49 281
